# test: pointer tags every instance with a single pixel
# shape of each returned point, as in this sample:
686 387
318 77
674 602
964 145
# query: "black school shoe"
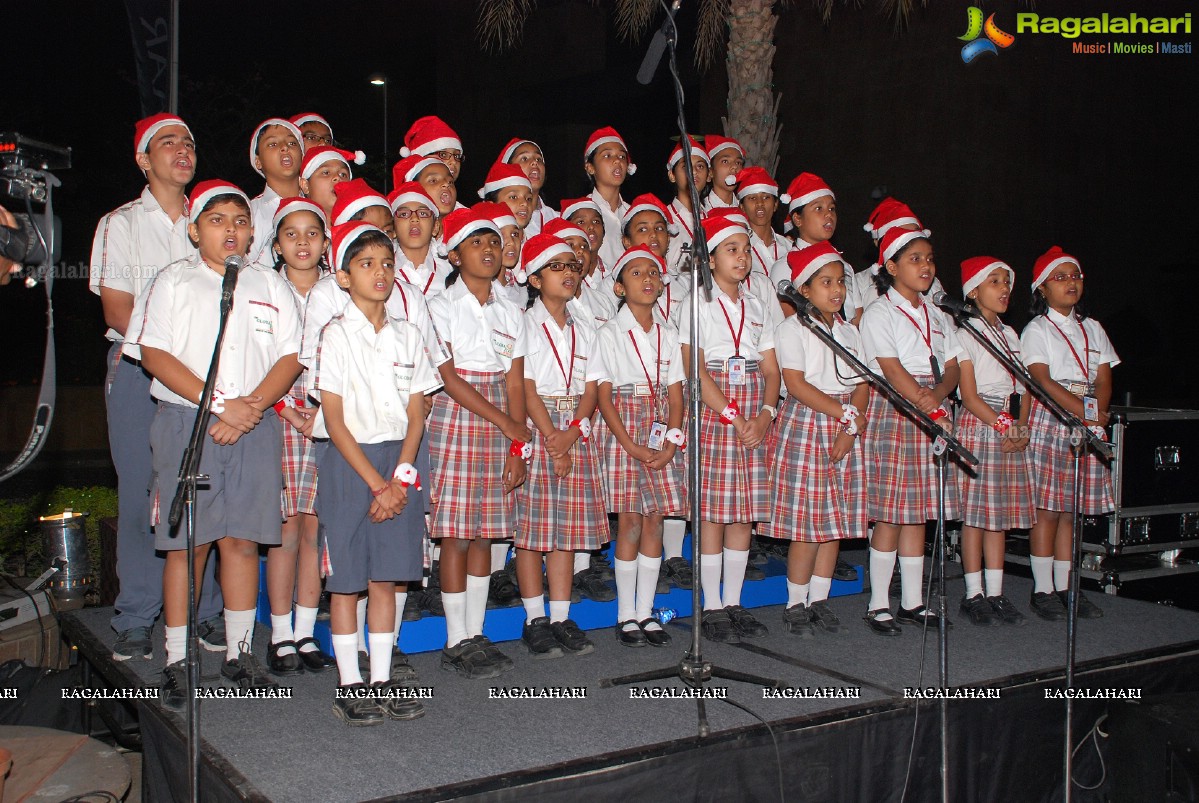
718 626
1086 608
571 637
655 637
979 611
919 616
315 660
284 665
539 639
677 572
1006 611
497 658
1048 605
173 691
401 670
357 711
133 643
245 672
591 585
746 623
798 619
412 605
469 659
502 590
824 618
630 636
397 705
844 571
883 627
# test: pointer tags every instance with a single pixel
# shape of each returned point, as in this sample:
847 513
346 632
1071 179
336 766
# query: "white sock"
673 533
819 588
1042 573
345 650
735 561
974 584
401 600
499 555
796 594
534 607
476 604
176 643
361 610
626 589
1061 574
647 585
239 627
911 579
455 616
305 625
381 646
882 565
281 631
994 581
709 580
582 560
559 610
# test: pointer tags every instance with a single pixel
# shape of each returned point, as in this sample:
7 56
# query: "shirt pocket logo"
402 374
502 343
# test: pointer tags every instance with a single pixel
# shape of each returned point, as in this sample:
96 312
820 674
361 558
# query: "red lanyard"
565 375
1086 345
681 215
428 284
926 334
774 250
656 387
404 298
665 312
998 330
740 329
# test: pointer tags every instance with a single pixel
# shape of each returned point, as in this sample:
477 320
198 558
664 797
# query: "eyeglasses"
558 267
406 214
313 138
448 156
1066 277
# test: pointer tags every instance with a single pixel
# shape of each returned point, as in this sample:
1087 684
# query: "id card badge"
736 370
1090 408
657 435
1013 406
936 366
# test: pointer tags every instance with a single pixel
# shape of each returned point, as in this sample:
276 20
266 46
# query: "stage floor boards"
296 749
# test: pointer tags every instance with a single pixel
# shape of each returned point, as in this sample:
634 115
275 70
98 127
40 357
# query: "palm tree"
753 104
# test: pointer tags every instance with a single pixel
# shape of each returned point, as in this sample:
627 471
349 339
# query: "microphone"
233 266
947 302
657 46
785 289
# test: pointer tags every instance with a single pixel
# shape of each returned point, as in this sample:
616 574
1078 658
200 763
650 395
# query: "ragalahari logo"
993 40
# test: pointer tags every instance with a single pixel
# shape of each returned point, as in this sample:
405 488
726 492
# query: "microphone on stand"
657 46
947 302
785 289
233 266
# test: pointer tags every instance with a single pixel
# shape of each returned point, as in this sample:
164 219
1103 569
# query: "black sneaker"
212 634
398 704
502 590
173 691
844 571
431 602
357 711
245 672
757 553
979 611
798 620
316 660
593 587
402 671
284 665
539 639
571 637
678 572
719 627
412 605
746 623
824 618
882 627
602 566
655 634
1048 606
1086 608
1006 611
322 607
133 643
501 661
919 616
753 573
469 659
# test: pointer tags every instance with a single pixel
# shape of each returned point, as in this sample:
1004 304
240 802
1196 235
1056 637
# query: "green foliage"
20 536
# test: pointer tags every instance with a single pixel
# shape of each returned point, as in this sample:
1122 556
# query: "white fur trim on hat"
1044 274
279 121
900 241
980 277
805 199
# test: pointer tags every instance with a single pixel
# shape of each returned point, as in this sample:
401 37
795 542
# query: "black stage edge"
610 747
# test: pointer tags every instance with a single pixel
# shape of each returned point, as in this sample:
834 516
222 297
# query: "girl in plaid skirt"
914 345
292 569
817 473
996 494
1072 357
478 439
560 508
737 372
641 399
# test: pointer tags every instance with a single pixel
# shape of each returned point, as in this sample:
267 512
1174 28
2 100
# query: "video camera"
24 176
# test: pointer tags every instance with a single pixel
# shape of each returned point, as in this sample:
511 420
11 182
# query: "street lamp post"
379 79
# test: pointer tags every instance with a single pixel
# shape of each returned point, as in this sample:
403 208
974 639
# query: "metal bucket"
64 543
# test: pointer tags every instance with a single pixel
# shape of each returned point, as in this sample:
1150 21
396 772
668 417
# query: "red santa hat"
145 129
975 271
539 251
753 180
1049 260
605 136
805 188
344 236
459 224
803 264
732 213
570 206
510 149
715 143
410 167
561 227
499 213
205 191
410 192
677 153
894 240
640 252
316 157
502 175
265 124
289 205
648 202
889 214
428 135
720 228
352 197
311 117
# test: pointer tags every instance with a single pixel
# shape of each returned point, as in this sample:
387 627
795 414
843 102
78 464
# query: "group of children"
504 372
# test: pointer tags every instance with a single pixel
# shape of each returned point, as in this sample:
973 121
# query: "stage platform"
609 745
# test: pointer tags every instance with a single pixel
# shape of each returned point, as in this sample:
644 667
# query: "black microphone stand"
1081 439
185 497
692 670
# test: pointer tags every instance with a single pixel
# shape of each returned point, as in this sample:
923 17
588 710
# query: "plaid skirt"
1052 464
299 465
812 498
628 486
997 493
565 513
901 473
466 472
733 484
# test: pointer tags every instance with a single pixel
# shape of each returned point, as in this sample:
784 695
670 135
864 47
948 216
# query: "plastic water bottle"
664 615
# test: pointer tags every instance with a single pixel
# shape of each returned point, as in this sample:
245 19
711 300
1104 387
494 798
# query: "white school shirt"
429 276
374 373
611 249
543 214
797 349
622 363
597 295
892 327
133 243
714 201
1044 344
548 367
181 316
669 306
850 307
717 334
480 337
865 292
991 378
262 213
762 258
